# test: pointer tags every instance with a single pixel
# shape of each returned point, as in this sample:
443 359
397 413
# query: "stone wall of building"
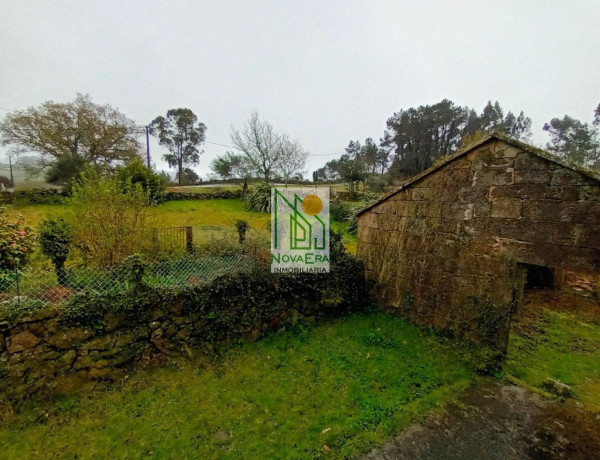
451 249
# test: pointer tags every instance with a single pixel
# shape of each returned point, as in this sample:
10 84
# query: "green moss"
349 384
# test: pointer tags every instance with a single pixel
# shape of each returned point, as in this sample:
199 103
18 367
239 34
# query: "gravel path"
496 420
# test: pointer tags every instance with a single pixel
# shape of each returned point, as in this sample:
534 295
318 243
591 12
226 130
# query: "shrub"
339 210
234 301
136 172
34 195
16 242
6 182
377 183
65 170
188 196
353 217
13 309
188 177
241 226
55 242
259 198
111 219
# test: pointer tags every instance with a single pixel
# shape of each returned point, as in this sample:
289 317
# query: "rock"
105 342
23 341
66 339
2 343
70 383
156 334
557 388
102 374
184 334
221 436
113 321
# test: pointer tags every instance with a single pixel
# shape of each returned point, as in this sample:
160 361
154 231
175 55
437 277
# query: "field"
210 218
332 391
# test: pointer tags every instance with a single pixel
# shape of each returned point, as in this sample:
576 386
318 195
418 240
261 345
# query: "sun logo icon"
312 205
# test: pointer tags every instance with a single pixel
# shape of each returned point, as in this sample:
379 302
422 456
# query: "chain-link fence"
55 286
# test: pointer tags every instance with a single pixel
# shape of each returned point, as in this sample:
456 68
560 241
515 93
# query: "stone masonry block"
506 207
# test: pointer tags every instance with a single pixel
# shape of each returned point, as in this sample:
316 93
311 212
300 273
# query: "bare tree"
269 154
292 158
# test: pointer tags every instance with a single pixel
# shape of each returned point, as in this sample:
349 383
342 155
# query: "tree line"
74 136
415 138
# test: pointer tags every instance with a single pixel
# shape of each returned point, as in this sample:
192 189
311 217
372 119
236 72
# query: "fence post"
189 240
18 287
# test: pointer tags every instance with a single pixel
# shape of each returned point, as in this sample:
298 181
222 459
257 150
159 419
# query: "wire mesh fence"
55 286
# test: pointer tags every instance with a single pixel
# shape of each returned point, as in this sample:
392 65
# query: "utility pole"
12 179
148 146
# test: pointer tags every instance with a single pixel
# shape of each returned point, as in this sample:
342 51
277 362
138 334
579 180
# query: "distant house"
453 247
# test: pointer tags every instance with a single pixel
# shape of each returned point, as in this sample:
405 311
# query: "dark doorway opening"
538 277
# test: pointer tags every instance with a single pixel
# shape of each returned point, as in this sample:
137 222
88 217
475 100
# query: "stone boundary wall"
41 355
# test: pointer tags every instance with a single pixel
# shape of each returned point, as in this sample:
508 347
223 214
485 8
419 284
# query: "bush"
55 242
236 301
188 196
241 226
377 183
6 182
13 309
339 210
65 170
111 219
136 172
34 196
16 243
259 198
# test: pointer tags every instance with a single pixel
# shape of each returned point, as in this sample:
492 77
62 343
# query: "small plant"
241 227
135 267
55 242
259 198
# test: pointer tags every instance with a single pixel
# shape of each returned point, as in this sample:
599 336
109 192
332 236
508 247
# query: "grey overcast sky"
325 72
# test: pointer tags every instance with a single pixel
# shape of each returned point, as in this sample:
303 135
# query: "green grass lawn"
210 217
562 345
328 391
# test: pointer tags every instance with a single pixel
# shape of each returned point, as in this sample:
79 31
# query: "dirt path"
497 420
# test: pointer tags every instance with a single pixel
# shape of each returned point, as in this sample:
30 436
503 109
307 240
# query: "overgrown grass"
331 391
562 346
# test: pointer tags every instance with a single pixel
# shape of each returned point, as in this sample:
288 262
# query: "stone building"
453 247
